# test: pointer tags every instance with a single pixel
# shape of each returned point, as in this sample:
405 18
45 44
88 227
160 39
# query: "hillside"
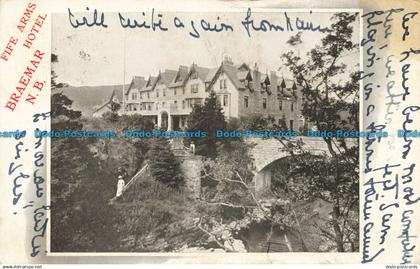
87 98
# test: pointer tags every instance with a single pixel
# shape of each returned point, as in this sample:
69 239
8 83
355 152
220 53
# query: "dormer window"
194 88
223 84
194 75
134 96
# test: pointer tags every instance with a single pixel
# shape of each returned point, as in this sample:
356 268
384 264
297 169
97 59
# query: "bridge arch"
265 152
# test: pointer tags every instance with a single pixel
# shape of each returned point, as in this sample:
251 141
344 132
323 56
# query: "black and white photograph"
205 132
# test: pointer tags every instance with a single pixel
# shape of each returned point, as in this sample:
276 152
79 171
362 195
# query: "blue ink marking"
384 232
38 159
18 150
43 115
38 181
155 23
406 18
407 177
369 142
387 23
405 236
407 53
178 23
85 21
370 109
371 56
388 65
17 195
405 70
366 244
407 112
195 33
40 227
264 25
12 167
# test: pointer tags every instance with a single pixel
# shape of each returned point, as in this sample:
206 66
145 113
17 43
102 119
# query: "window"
194 75
149 107
194 88
291 106
148 95
175 91
265 103
291 125
134 96
164 92
222 83
280 105
176 104
163 104
246 101
225 100
157 93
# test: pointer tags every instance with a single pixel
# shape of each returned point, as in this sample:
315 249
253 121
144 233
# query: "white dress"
120 187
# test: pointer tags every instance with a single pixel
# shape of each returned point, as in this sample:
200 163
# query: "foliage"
261 123
163 165
155 217
330 101
81 219
207 118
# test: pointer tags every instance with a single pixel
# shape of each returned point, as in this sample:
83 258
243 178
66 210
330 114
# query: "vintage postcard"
251 132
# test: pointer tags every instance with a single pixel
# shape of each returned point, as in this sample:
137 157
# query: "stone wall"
191 167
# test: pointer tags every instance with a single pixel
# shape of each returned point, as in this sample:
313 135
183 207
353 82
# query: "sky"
92 56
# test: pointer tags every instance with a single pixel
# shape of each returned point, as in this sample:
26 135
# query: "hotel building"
242 91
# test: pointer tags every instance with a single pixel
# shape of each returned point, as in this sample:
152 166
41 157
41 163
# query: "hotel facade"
242 91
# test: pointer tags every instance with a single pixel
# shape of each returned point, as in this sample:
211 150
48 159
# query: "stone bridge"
264 152
267 151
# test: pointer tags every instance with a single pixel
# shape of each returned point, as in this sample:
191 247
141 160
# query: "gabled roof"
243 67
167 76
179 77
115 93
232 73
287 86
136 83
201 71
242 75
210 75
150 84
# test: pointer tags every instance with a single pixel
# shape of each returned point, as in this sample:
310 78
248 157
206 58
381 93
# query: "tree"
163 165
207 118
81 219
230 205
331 101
